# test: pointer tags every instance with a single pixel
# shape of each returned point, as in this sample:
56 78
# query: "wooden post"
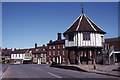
87 55
79 58
76 57
68 57
94 63
94 57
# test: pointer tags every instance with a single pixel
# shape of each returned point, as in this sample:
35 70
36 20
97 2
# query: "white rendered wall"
13 56
95 40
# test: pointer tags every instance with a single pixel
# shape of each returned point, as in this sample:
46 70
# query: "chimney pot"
14 49
50 41
59 36
35 45
43 45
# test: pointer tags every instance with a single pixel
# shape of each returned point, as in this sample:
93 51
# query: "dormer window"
86 36
71 37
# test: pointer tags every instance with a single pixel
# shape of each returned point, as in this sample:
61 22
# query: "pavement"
100 69
3 68
41 71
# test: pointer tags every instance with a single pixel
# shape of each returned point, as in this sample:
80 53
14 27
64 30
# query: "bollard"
94 67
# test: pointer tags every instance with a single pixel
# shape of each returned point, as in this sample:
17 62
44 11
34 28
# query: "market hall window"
71 37
86 36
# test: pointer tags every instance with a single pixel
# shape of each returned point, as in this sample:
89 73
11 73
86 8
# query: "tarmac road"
44 71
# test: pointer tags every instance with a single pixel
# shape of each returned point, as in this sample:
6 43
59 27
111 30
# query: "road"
44 71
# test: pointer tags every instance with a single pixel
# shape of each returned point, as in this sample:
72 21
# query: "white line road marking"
54 75
3 73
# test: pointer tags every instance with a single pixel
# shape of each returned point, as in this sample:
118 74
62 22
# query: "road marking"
37 68
6 74
54 75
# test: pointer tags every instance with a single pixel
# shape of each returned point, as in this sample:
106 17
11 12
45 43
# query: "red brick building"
39 54
116 42
56 51
6 55
35 55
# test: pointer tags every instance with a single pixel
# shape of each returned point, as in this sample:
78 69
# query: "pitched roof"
62 41
114 41
38 50
6 51
19 51
83 23
33 50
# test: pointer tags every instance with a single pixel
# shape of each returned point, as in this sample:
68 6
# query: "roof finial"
82 7
82 10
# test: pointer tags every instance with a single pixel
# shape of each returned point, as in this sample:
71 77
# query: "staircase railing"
111 50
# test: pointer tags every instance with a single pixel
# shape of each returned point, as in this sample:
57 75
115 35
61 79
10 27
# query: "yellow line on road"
6 73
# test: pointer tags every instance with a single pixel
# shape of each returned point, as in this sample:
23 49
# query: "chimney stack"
35 45
14 49
43 45
59 36
50 41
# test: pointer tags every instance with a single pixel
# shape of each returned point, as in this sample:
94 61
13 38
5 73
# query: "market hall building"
85 38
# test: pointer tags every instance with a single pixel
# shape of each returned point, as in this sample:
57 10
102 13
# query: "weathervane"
82 7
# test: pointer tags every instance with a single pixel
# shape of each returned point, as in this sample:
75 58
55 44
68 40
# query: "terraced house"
35 55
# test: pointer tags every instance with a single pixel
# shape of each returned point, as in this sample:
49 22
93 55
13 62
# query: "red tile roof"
114 41
6 51
62 41
33 50
19 51
38 50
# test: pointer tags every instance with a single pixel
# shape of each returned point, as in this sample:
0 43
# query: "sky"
27 23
